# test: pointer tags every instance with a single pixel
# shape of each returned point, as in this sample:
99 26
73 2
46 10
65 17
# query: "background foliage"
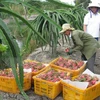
82 3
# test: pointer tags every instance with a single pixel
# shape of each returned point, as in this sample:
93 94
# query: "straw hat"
93 4
66 27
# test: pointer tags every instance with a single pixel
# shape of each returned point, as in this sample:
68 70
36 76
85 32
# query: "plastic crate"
73 72
41 70
8 84
47 88
73 93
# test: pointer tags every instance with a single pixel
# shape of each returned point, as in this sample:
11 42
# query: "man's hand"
68 51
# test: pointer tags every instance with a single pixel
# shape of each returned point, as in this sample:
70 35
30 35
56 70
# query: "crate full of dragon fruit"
48 82
8 82
35 66
86 86
73 66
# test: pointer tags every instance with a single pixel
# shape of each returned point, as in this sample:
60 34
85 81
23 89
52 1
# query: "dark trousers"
97 38
90 66
90 62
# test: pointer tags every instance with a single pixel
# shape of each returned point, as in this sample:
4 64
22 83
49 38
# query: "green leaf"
15 57
21 18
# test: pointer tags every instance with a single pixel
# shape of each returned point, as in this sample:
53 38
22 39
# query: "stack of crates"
71 92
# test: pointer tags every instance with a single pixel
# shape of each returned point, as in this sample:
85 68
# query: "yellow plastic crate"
47 88
35 73
8 84
73 93
73 72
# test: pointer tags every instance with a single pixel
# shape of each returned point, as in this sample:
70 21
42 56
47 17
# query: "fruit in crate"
68 63
53 75
8 73
35 66
87 78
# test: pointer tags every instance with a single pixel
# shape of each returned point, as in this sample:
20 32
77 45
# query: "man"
92 20
82 42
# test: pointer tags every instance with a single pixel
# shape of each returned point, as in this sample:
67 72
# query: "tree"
83 3
71 14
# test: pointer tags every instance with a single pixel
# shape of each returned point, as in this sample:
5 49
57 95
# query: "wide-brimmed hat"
66 27
93 4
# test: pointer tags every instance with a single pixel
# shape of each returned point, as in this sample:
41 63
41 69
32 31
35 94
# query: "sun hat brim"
93 5
62 31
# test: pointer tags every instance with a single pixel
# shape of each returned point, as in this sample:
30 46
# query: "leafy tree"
70 14
45 5
83 3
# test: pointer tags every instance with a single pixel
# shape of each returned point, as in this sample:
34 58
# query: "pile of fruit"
68 63
87 78
35 66
8 72
53 75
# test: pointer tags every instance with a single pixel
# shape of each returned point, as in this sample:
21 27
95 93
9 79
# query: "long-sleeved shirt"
84 42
